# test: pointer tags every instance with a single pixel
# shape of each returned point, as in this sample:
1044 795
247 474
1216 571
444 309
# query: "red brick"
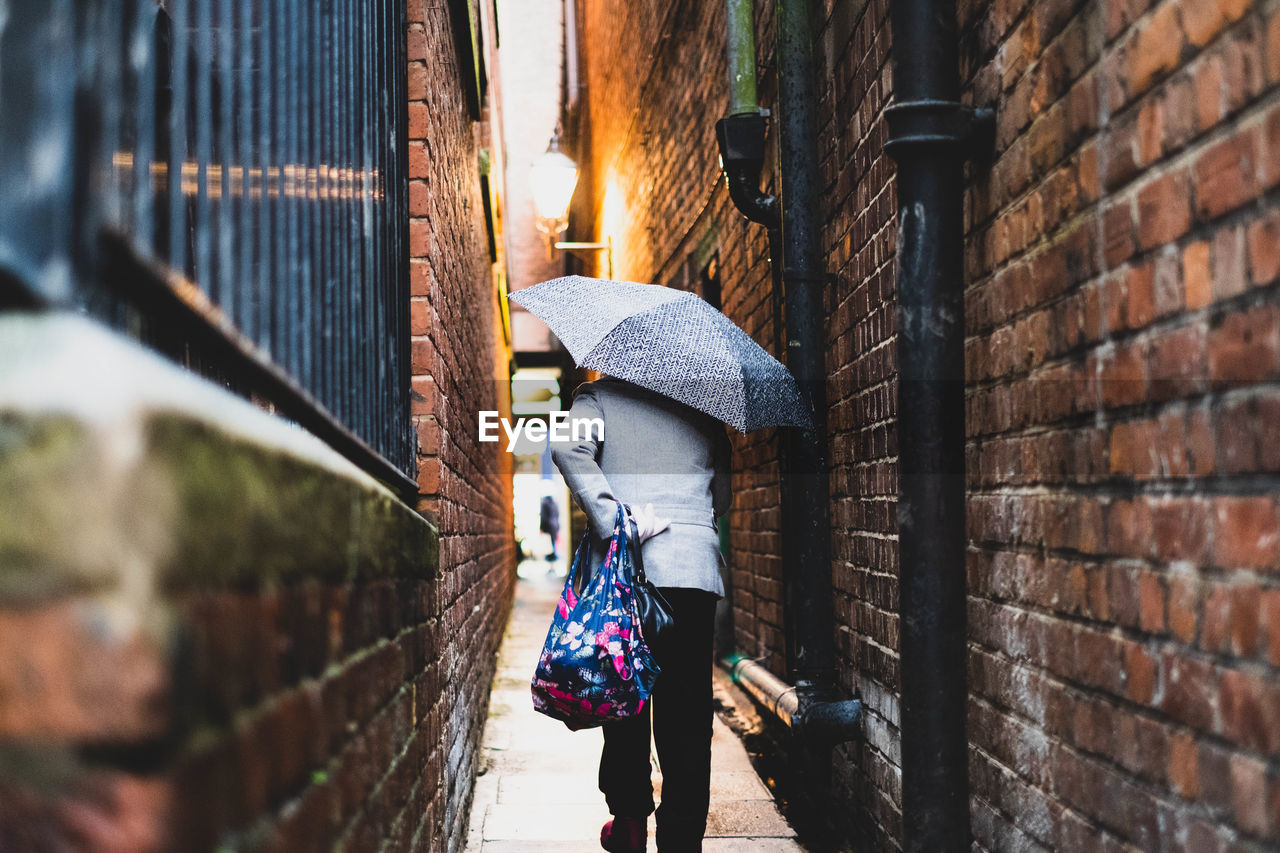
1228 262
1271 149
420 238
1264 248
419 165
418 129
1273 46
1120 154
1129 528
1237 436
1270 615
1167 284
1140 296
1210 105
1182 609
1204 19
1226 175
1180 528
1118 233
1196 281
67 674
1184 769
1246 533
1123 377
1246 347
1176 366
417 44
1244 621
1164 210
418 77
419 317
1140 673
1190 694
1156 49
1249 795
1216 630
1151 132
419 201
1250 710
1200 447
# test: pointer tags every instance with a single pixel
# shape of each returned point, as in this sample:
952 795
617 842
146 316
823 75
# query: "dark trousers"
681 707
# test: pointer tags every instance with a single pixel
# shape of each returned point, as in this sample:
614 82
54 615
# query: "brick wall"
1124 341
459 367
224 638
667 213
217 634
1122 351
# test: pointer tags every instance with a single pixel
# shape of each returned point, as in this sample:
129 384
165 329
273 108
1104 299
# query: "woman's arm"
577 463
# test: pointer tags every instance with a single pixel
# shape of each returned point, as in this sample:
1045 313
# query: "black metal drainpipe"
930 136
795 228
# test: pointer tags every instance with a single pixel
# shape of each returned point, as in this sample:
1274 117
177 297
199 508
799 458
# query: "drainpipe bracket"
932 124
823 278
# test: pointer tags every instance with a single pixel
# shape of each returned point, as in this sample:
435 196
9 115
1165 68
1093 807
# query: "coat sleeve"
722 478
577 463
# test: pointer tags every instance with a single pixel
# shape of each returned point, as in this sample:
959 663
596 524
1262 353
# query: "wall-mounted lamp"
553 178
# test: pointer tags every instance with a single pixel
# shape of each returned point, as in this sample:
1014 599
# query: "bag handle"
633 532
580 556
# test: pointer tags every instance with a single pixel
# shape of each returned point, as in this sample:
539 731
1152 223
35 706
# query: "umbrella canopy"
669 341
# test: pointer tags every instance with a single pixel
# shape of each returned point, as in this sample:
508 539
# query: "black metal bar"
142 43
229 208
202 271
929 131
280 86
294 46
152 289
806 532
250 224
254 150
819 717
177 153
266 109
398 159
308 115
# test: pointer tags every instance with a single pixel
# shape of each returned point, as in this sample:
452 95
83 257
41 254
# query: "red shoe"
625 835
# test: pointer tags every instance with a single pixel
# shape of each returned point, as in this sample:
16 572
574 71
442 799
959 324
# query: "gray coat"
655 450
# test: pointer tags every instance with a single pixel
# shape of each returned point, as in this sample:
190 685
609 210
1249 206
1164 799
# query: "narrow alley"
536 792
939 346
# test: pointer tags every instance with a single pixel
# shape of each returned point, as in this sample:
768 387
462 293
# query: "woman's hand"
648 525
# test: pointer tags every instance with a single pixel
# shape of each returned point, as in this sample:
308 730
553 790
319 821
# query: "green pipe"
742 58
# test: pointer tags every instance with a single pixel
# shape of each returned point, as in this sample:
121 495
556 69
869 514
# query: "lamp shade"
552 178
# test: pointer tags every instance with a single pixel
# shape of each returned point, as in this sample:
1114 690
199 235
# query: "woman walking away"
682 370
673 461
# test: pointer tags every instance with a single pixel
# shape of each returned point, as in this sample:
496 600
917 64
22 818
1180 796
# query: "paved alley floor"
537 789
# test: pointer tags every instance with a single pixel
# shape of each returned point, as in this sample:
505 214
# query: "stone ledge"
121 471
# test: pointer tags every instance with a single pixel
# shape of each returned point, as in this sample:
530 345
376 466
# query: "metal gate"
227 181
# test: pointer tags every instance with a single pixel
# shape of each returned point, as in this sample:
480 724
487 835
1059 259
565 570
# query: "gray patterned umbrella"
669 341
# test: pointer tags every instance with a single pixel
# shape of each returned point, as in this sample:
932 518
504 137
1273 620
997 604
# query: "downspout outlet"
815 722
742 149
828 724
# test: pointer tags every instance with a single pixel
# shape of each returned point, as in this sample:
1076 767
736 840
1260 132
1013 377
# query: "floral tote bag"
595 666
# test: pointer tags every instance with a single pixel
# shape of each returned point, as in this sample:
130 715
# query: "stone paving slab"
537 789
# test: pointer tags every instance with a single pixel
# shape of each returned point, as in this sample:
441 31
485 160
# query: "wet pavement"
537 789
